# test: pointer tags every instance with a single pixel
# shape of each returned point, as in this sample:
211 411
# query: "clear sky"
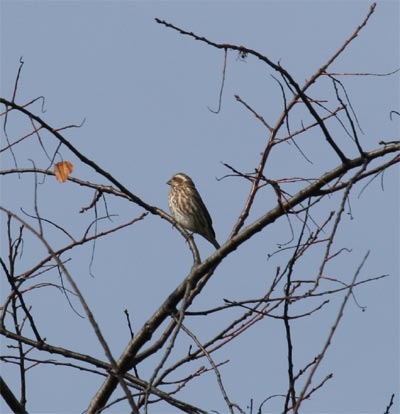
143 91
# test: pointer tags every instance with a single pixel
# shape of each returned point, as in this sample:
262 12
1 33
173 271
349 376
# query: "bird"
188 208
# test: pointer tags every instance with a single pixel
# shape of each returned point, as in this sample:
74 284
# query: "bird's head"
180 179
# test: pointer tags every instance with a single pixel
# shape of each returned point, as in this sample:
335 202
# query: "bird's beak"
169 182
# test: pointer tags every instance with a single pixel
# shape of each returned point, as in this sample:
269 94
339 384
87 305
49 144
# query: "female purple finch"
188 209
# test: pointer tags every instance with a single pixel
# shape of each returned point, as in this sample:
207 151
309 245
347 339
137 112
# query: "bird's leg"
188 236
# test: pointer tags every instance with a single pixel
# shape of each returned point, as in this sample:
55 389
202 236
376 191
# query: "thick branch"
127 359
10 398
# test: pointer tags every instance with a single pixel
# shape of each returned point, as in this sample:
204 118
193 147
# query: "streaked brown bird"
188 209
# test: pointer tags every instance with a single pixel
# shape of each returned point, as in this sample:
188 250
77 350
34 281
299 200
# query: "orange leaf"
62 170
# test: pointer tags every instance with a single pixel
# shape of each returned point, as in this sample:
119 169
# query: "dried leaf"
62 170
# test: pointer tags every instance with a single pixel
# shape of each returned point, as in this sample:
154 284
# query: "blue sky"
143 91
